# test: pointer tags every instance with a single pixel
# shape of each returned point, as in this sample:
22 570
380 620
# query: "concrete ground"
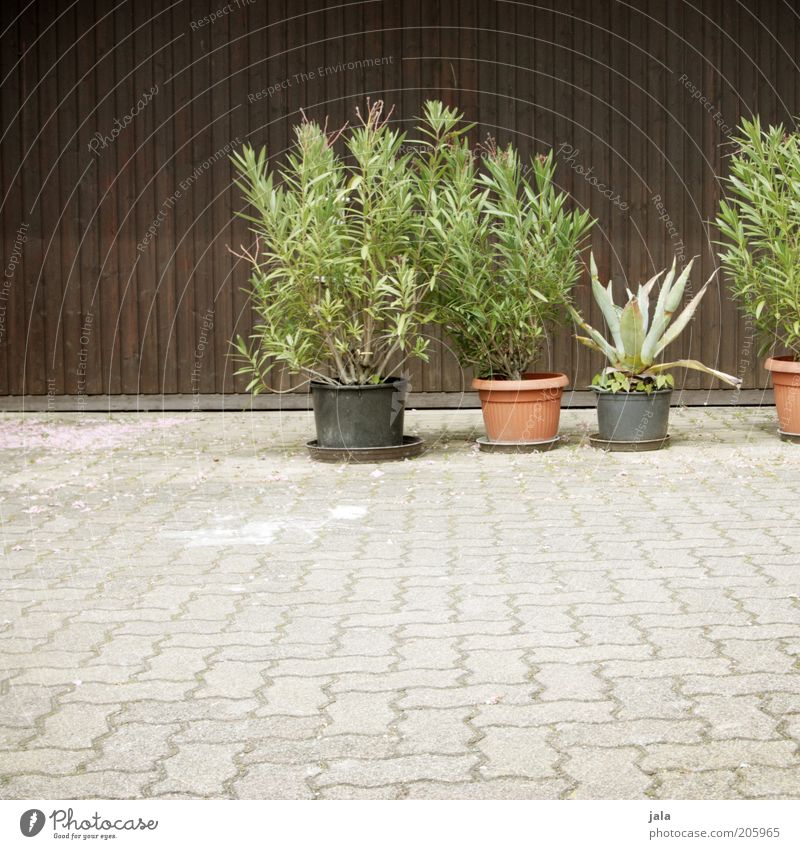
191 607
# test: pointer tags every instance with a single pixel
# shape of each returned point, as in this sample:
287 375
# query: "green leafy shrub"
336 280
505 247
760 225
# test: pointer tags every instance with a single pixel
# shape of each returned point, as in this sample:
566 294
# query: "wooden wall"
117 116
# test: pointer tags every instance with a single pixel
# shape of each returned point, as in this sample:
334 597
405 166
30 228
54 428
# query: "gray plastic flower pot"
633 416
364 416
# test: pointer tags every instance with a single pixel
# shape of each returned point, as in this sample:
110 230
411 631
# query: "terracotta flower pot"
524 410
786 382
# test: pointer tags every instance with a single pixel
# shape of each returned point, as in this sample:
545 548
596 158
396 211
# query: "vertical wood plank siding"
118 118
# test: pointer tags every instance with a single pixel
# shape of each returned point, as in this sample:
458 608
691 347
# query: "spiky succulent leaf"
643 297
590 343
632 330
676 292
665 307
696 365
593 267
606 303
648 287
630 361
683 319
603 346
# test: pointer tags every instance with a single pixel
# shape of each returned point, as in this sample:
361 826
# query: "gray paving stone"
633 732
133 747
197 769
73 726
275 781
349 792
294 697
770 782
523 752
320 748
562 681
710 784
370 773
459 626
43 760
89 785
543 713
605 773
360 713
736 717
430 729
721 754
493 788
657 698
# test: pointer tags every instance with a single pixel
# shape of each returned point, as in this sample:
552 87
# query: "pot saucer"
789 437
619 445
517 447
412 446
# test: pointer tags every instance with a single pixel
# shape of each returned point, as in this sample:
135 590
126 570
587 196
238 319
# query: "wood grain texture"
125 284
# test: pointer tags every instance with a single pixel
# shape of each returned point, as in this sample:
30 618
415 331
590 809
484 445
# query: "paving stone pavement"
191 607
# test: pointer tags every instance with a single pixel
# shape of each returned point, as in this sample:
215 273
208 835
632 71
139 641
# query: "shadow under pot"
521 411
633 416
361 416
786 384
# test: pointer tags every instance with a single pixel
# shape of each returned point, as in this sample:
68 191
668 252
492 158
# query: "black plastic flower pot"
363 416
633 416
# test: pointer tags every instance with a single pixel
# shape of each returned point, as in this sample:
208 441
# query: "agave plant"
638 338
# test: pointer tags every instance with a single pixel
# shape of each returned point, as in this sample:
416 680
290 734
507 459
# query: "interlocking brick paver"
230 619
747 683
198 769
73 726
768 782
133 747
374 772
232 679
719 754
466 696
568 681
50 761
424 730
523 752
656 698
543 713
350 792
633 732
188 710
711 784
496 667
88 785
606 773
360 713
275 781
294 696
739 716
491 788
757 656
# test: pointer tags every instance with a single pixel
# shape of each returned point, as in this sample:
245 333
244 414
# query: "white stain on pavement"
348 511
261 533
253 533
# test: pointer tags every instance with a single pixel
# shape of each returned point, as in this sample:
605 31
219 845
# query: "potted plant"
506 248
760 225
634 391
336 285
